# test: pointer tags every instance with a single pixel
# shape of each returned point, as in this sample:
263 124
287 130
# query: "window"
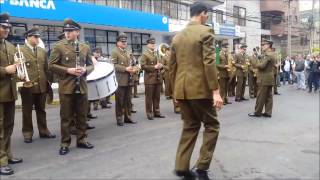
126 4
106 40
16 35
88 1
101 2
113 3
146 5
239 16
209 21
49 35
183 11
136 42
219 17
157 7
165 8
136 5
173 10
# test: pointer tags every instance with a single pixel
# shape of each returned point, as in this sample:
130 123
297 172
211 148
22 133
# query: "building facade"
102 20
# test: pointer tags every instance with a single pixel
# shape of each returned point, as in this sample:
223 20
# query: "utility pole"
312 28
289 28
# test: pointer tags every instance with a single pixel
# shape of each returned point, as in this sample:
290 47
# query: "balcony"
273 7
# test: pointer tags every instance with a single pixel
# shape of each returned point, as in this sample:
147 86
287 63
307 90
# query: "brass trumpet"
22 72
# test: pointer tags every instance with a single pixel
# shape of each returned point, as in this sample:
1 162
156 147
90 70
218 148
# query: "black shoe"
188 175
135 96
159 116
85 145
6 170
105 107
28 140
133 111
90 116
254 115
238 100
168 97
130 121
244 99
48 136
266 115
73 131
276 93
90 127
202 174
15 160
150 117
64 150
120 123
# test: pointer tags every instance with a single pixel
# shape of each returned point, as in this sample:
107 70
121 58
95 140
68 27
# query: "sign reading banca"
43 4
58 10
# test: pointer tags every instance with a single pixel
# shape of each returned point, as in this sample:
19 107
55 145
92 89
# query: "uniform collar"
194 23
2 41
29 46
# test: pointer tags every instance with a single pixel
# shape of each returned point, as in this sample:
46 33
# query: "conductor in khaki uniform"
71 61
165 70
150 63
8 96
241 72
124 73
224 68
195 85
37 67
265 68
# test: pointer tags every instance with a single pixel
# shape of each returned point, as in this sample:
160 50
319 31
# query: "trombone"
22 72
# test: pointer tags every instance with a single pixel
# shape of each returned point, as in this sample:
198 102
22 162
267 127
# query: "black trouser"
313 81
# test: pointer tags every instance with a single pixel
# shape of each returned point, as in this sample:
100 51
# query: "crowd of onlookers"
304 71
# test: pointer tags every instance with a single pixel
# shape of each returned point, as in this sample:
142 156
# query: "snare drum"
101 81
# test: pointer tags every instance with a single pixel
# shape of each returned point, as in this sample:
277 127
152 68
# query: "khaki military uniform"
232 77
223 75
37 67
121 60
266 82
165 75
193 76
241 74
275 74
63 56
8 95
152 82
252 77
136 78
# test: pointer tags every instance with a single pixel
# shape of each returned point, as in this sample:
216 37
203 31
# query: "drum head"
101 69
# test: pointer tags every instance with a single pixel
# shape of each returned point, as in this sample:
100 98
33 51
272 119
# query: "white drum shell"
102 81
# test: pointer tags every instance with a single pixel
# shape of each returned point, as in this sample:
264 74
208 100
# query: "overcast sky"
307 4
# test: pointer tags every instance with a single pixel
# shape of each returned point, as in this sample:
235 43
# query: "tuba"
22 72
162 49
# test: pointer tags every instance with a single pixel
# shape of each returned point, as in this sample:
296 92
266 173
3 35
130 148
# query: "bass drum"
102 81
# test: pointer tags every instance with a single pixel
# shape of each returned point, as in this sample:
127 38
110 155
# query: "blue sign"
58 10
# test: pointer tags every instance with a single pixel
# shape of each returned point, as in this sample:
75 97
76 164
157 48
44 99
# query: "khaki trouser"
264 99
223 84
123 103
152 92
252 81
231 86
39 102
195 112
73 108
241 86
7 110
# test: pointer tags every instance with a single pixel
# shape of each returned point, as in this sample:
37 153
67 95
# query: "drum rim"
101 77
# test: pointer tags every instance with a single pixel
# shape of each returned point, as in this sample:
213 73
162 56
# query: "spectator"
314 74
287 68
299 72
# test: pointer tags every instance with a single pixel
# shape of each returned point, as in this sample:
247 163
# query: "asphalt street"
285 146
